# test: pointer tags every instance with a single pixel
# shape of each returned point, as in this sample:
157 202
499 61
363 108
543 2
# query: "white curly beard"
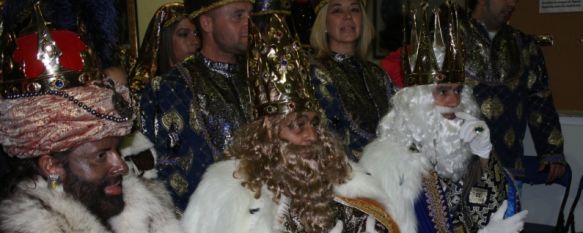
416 120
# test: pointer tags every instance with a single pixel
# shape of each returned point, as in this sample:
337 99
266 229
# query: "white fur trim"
143 204
133 144
400 172
221 204
35 208
363 185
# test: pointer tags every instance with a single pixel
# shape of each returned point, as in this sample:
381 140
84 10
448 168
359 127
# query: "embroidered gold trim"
555 138
371 207
436 203
173 20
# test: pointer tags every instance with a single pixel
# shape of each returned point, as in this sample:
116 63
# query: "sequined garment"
354 95
442 208
353 220
511 86
147 65
190 115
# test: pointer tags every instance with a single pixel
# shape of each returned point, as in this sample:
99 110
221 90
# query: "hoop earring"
54 181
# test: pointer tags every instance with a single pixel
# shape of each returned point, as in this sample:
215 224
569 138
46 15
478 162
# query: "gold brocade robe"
190 115
354 95
511 85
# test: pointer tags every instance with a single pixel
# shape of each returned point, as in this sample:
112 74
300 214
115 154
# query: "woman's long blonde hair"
319 34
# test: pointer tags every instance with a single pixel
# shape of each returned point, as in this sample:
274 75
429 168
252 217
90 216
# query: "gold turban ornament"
53 97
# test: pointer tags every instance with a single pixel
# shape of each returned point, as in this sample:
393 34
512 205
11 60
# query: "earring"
54 181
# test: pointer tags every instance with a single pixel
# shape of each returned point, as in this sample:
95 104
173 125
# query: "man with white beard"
433 157
432 153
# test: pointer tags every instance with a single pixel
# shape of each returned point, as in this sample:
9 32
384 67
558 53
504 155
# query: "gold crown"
434 58
278 69
59 60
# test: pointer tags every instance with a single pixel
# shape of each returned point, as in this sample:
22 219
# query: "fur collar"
400 172
35 208
239 211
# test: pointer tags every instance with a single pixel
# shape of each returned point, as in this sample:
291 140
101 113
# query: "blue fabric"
337 120
424 221
181 166
354 95
512 194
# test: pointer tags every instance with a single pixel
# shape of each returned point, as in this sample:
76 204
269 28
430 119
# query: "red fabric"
391 64
68 42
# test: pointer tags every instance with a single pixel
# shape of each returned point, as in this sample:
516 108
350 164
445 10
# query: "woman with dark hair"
353 92
170 38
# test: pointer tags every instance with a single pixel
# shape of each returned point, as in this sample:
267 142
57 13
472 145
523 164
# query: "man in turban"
60 125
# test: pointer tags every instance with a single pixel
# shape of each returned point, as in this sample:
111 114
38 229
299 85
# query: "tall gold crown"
44 60
278 68
433 56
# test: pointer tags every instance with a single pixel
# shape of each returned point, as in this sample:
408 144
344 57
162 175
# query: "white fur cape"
400 172
133 144
221 204
35 208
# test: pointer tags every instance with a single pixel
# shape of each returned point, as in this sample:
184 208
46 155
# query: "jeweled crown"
278 68
433 56
45 60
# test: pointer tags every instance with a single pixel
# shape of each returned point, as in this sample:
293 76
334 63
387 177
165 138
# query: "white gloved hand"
509 225
338 227
370 224
476 133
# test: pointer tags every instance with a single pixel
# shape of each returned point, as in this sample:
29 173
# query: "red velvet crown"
46 60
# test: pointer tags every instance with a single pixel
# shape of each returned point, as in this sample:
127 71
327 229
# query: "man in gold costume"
507 72
285 171
191 112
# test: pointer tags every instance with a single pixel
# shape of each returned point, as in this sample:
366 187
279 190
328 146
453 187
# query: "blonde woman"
353 92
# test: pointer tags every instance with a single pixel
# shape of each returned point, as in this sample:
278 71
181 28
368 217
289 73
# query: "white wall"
543 201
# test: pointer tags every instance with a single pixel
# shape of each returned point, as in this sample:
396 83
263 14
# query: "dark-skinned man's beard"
93 196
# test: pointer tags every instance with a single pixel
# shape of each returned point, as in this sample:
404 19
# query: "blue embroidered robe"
190 115
354 95
441 208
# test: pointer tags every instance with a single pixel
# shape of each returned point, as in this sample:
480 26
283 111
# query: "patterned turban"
57 121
